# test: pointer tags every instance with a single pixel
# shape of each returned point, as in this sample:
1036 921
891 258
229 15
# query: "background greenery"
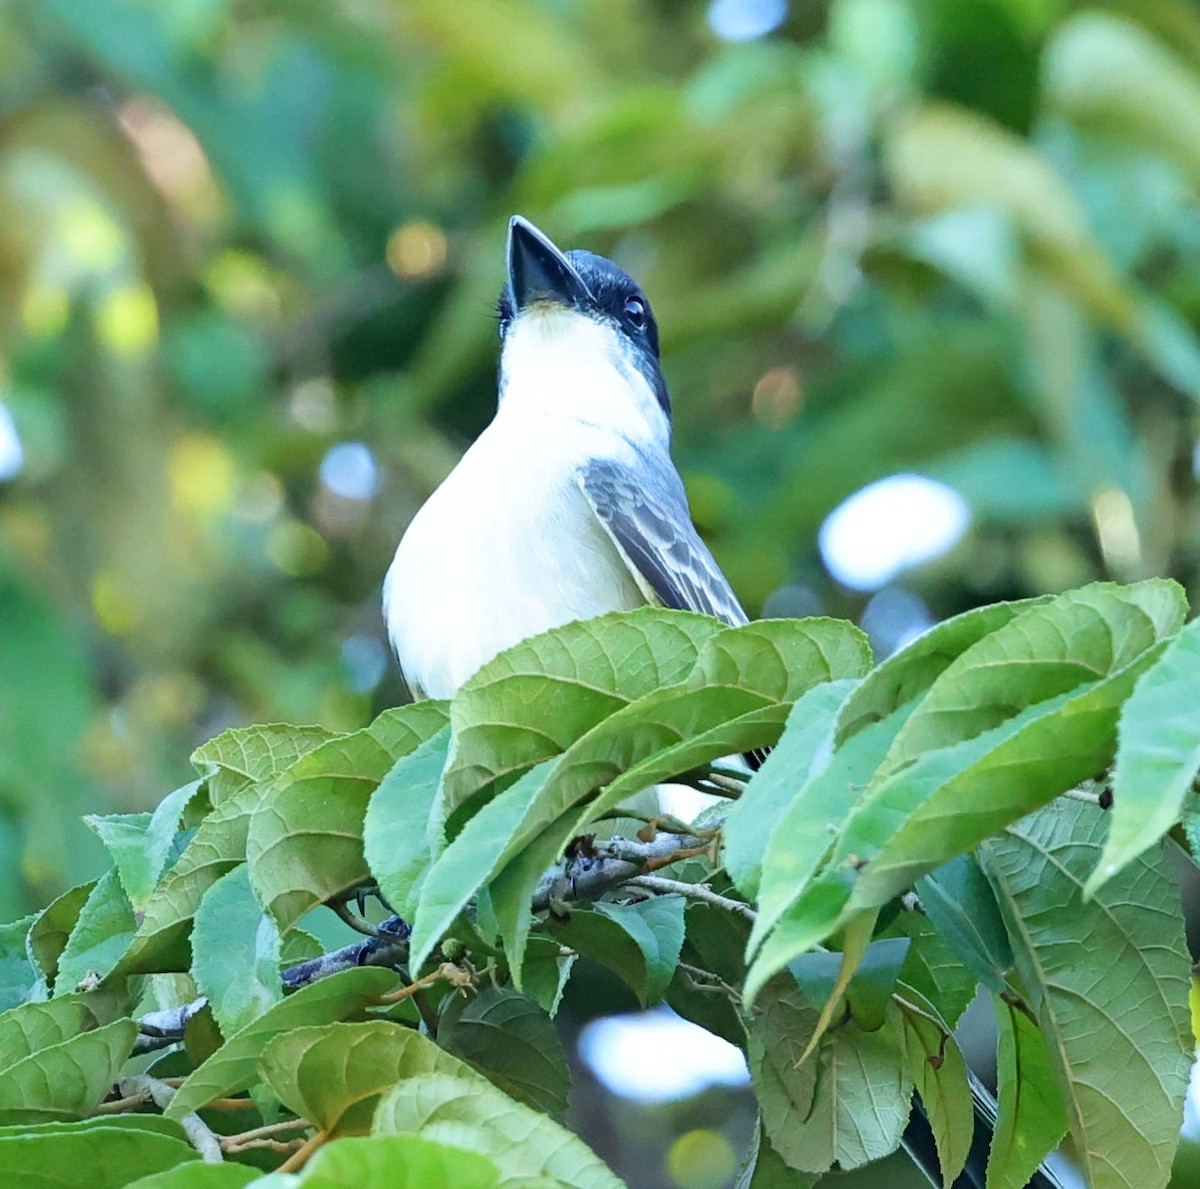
957 238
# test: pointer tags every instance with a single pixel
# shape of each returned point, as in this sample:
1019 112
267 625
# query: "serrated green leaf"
512 1041
759 667
448 1101
933 969
399 1162
73 1075
1158 754
804 749
961 906
100 938
847 1104
232 1067
586 670
50 934
304 845
939 1074
236 952
808 828
1046 652
493 835
197 1175
160 944
1109 981
20 979
546 972
107 1157
33 1026
249 755
911 670
395 842
1032 1119
140 843
656 927
763 1168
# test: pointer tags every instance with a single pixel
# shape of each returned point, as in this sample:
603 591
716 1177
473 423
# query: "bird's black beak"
538 271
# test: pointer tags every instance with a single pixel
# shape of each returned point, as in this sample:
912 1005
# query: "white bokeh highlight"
744 20
349 469
890 526
657 1056
12 453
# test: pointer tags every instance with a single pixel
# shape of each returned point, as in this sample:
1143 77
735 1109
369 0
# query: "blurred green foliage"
892 235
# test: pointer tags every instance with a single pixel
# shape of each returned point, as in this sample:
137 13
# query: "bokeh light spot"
416 250
260 498
744 20
126 320
112 605
203 476
777 397
297 549
239 283
89 235
349 470
701 1159
313 405
44 310
12 453
658 1056
888 527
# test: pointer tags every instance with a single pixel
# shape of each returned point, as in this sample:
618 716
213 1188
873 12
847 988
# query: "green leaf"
933 969
1109 981
160 944
939 1074
233 1065
101 935
399 1162
585 670
656 927
106 1157
304 845
509 1039
809 826
763 1168
546 972
236 951
249 755
73 1075
961 906
395 842
493 835
140 843
1032 1119
33 1026
804 749
197 1175
1047 651
333 1074
450 1103
20 979
49 936
911 670
847 1104
1158 755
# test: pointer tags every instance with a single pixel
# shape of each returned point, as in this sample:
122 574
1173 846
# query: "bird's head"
577 331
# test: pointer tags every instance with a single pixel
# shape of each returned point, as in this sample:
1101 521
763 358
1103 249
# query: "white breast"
507 547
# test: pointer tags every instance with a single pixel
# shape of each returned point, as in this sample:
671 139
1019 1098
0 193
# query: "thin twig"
234 1143
199 1134
696 891
297 1159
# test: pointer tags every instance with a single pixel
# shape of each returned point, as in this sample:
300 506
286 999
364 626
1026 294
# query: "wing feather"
646 514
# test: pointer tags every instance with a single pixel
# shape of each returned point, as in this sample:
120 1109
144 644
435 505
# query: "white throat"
558 363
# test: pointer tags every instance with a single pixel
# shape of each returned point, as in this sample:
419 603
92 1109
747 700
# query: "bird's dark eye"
635 312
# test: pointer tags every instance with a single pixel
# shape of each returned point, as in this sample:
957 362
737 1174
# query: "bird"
568 504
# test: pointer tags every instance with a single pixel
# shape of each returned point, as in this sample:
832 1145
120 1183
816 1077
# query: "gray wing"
646 514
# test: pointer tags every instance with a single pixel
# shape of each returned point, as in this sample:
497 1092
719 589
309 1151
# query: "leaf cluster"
921 829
